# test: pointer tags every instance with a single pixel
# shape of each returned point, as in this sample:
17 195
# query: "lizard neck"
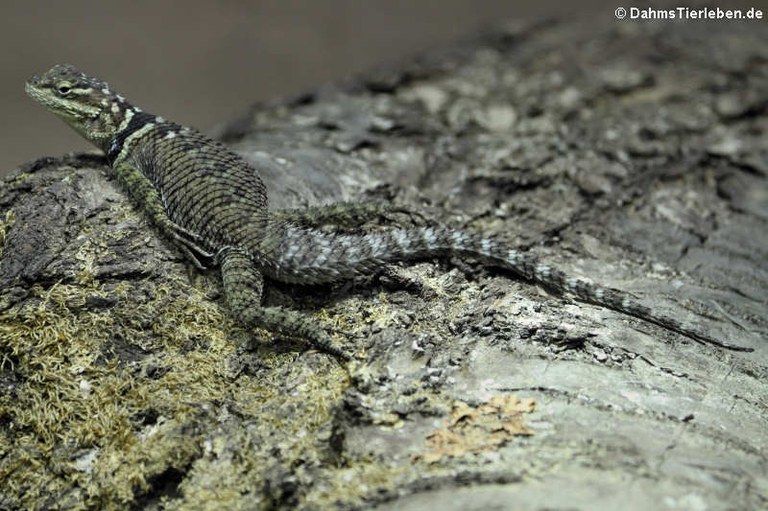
135 123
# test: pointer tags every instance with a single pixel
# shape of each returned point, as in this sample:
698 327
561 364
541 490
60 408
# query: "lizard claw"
189 243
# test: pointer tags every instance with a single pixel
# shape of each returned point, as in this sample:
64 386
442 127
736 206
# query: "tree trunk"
632 153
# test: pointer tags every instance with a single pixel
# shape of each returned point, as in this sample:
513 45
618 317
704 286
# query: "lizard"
213 205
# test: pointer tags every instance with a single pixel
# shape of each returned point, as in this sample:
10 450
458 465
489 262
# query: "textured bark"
631 153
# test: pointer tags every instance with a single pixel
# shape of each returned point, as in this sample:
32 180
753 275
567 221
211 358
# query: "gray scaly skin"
213 205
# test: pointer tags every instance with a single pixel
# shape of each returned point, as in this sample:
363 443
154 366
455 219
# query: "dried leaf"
483 427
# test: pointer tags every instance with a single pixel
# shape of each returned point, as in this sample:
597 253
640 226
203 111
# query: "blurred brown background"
201 62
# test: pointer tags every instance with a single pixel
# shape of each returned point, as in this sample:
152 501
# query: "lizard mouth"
32 89
35 92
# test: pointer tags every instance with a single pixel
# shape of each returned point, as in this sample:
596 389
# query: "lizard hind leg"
243 285
348 216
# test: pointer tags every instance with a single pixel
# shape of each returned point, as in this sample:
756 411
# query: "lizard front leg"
243 285
145 196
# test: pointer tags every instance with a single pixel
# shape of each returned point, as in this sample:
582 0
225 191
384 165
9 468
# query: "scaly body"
214 205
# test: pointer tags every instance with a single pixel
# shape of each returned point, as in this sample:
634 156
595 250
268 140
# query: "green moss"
73 397
231 473
349 485
85 415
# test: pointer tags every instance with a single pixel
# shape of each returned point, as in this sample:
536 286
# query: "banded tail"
307 256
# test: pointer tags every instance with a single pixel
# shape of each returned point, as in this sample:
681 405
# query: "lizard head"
85 103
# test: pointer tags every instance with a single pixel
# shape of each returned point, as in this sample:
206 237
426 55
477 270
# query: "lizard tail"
310 257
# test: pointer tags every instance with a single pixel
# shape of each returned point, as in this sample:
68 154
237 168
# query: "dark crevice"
164 486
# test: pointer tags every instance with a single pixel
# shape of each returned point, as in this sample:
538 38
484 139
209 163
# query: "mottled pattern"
214 206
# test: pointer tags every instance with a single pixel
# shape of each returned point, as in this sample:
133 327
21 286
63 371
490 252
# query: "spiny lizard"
213 205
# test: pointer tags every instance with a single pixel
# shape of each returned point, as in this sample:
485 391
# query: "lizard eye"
63 89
